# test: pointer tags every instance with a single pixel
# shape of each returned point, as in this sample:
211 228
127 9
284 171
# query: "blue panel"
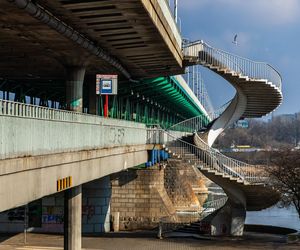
106 86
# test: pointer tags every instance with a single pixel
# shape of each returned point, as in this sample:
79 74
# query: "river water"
275 216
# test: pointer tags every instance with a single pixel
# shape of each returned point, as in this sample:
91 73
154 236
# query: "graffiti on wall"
53 215
116 135
52 219
17 214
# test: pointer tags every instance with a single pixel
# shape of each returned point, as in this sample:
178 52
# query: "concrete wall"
96 197
96 206
26 136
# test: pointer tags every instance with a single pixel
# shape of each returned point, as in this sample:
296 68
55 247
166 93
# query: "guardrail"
11 108
206 54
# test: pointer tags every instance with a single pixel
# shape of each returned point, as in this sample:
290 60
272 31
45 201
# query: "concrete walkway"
147 241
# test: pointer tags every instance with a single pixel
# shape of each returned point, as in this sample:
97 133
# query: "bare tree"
285 176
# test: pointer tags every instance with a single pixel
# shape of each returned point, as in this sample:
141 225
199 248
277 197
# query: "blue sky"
268 30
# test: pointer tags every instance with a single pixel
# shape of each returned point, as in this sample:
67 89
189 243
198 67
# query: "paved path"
146 241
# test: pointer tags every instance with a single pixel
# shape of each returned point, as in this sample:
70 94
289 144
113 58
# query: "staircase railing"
205 157
220 110
230 166
190 125
197 123
208 55
214 204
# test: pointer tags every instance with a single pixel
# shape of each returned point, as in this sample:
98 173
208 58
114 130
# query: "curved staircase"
257 84
258 92
245 185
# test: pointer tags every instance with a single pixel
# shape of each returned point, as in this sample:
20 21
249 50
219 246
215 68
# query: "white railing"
11 108
203 53
218 161
205 157
230 166
220 110
197 123
190 125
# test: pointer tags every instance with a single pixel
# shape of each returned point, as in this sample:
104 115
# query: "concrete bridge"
54 137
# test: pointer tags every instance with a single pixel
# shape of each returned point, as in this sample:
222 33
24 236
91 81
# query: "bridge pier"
92 96
72 218
238 217
228 220
74 87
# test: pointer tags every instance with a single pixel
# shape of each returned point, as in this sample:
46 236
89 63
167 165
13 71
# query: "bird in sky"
235 40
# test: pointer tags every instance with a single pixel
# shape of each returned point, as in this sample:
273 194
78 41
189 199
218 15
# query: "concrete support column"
238 217
220 221
228 220
72 221
74 87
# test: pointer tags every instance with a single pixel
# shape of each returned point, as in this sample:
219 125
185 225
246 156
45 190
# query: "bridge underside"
135 32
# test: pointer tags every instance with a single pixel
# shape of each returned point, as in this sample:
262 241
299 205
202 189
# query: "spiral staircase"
257 84
258 92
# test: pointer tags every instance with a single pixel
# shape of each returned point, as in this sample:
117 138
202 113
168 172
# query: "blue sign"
106 86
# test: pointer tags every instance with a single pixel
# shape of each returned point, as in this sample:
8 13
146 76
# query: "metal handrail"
197 123
205 157
233 167
216 204
206 54
190 125
221 109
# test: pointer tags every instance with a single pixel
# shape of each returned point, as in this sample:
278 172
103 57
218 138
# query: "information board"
106 84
